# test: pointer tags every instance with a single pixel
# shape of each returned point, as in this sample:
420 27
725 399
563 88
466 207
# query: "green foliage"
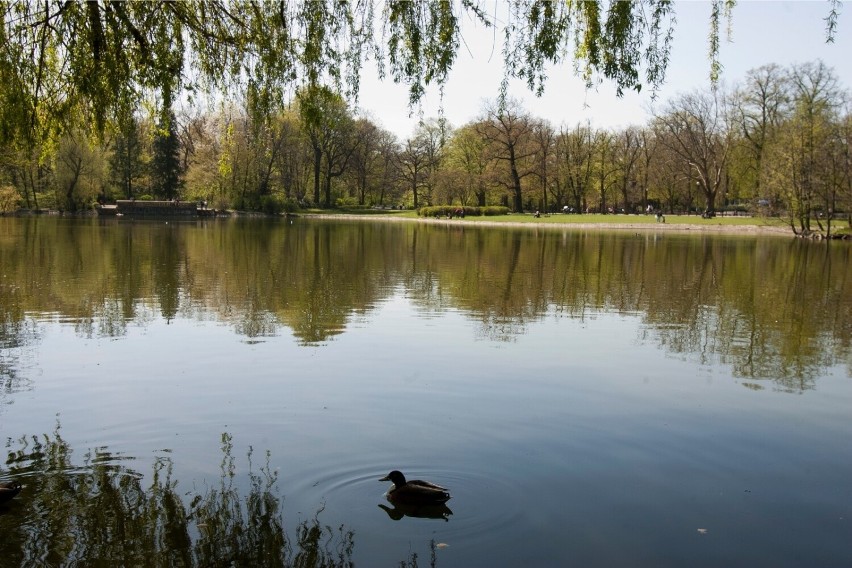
126 161
447 210
103 57
166 168
272 204
9 199
347 202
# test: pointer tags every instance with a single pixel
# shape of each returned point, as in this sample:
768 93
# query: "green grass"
559 218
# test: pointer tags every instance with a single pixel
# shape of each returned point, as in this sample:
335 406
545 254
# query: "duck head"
395 477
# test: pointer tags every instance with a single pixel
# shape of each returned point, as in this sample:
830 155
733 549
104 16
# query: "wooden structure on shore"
140 208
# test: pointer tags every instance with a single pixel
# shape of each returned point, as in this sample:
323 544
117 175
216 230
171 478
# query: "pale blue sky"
762 32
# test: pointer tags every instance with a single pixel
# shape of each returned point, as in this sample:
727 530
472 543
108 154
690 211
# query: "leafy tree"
126 163
467 152
294 160
80 171
203 178
54 56
166 165
328 124
800 157
759 107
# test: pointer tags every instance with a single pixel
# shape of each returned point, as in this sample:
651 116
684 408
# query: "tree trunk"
518 204
317 167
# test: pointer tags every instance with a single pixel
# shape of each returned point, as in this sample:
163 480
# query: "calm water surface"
229 393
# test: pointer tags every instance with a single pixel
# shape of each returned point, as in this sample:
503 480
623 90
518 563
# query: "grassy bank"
571 219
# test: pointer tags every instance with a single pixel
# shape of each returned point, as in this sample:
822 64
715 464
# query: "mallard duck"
414 491
8 490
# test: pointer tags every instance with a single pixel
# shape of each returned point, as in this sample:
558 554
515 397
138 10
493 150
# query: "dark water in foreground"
228 393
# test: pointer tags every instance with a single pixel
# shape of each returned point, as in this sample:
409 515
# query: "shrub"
446 210
271 205
492 210
346 203
9 199
290 205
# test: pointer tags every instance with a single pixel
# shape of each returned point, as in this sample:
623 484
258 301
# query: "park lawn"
598 219
583 219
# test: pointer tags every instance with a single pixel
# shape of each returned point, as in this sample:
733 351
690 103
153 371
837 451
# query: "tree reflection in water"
100 514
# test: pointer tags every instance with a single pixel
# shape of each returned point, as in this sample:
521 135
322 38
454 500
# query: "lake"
229 392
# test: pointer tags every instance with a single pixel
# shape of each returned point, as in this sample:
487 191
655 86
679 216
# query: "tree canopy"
104 55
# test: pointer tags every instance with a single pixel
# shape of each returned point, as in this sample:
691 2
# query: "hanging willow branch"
101 56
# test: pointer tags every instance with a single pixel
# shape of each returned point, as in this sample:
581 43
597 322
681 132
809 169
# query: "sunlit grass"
570 219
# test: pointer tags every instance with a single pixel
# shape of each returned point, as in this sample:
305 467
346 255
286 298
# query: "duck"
8 490
415 491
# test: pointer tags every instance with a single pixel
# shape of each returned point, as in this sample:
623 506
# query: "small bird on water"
415 491
8 490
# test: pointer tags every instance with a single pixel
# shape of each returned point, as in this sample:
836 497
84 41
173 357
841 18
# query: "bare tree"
697 133
544 140
508 130
413 165
575 152
628 154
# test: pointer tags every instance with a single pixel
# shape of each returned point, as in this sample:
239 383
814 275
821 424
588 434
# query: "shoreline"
646 227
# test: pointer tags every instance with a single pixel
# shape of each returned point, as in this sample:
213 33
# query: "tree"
628 155
575 150
79 171
544 139
126 162
295 161
432 136
648 152
54 56
414 166
166 170
467 153
508 130
697 132
387 181
759 107
803 150
328 124
605 167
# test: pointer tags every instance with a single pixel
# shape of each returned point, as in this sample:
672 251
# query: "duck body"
415 491
8 490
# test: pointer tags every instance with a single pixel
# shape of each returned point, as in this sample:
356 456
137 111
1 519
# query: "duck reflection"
400 510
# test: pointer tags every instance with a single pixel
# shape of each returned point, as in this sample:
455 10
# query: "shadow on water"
102 512
398 510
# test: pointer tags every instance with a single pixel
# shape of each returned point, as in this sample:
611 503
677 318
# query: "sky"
762 32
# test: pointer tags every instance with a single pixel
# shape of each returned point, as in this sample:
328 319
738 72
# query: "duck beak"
385 478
